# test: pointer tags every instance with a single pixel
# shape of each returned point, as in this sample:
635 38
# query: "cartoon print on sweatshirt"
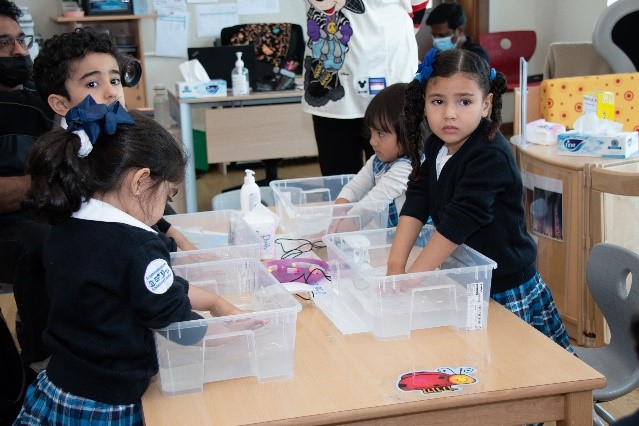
329 32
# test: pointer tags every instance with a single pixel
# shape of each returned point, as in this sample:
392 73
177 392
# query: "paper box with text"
211 88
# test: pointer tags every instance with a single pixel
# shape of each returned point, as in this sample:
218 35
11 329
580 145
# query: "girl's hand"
395 270
180 239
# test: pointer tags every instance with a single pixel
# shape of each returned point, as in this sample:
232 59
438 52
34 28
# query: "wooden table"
522 377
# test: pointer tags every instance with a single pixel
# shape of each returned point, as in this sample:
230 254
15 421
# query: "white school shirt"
388 186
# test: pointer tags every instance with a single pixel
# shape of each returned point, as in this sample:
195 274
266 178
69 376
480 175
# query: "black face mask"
15 70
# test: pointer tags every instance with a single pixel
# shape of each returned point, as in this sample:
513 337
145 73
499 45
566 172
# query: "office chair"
504 50
230 200
615 34
609 267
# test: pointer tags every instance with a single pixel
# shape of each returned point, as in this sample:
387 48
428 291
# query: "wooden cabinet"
126 33
572 203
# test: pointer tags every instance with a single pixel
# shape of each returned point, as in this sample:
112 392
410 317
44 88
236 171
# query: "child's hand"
231 327
180 239
342 225
394 270
223 308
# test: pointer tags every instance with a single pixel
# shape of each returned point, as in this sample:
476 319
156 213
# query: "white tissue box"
211 88
618 145
543 132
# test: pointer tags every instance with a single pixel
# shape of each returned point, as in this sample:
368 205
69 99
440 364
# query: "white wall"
553 20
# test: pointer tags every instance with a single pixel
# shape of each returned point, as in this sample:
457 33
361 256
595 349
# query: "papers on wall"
168 7
257 7
171 28
211 18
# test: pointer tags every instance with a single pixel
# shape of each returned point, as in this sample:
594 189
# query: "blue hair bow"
493 74
425 69
88 119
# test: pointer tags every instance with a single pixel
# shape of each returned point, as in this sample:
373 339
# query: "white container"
307 208
229 350
240 77
250 195
220 234
361 298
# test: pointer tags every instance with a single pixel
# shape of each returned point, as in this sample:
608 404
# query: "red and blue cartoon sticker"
443 379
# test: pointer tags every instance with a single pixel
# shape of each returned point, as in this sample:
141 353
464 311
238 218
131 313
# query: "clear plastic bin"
307 208
362 298
219 234
260 343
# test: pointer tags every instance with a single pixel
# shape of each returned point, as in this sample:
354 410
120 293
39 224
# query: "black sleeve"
163 225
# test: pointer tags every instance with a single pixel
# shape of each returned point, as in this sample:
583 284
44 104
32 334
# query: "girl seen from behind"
102 184
470 186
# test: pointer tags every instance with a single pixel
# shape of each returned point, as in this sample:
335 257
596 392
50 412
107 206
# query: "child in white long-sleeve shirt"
384 177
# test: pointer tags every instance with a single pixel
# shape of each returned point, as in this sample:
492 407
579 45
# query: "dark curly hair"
447 64
451 13
10 10
51 66
61 181
384 113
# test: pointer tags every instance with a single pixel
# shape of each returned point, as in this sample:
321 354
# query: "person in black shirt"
102 183
23 117
470 186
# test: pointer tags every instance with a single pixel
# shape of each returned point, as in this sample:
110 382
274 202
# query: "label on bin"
474 312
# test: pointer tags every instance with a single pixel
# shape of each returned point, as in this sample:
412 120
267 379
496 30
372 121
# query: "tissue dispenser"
617 145
201 89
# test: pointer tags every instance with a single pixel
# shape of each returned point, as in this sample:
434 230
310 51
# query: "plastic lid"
250 175
239 63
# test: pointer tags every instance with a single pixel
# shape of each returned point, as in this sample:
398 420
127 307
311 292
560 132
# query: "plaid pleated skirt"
45 403
532 301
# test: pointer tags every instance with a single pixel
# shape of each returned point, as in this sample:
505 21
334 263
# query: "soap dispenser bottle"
240 77
250 195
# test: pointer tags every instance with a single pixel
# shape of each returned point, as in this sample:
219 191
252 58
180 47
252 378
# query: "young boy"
71 66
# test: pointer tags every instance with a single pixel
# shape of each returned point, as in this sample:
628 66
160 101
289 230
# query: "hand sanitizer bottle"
250 195
240 77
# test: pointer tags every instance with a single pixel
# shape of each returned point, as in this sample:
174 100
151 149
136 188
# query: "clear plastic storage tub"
220 234
307 208
260 343
362 298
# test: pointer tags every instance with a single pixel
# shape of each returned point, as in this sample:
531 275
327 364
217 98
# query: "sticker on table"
443 379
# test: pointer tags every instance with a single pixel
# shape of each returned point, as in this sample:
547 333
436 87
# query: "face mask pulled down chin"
15 70
443 43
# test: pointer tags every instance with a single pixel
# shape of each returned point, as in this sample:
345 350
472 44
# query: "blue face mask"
443 43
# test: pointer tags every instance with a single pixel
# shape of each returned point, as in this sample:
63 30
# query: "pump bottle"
240 77
250 195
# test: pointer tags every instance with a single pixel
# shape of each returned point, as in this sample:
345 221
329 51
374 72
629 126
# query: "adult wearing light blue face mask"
447 22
